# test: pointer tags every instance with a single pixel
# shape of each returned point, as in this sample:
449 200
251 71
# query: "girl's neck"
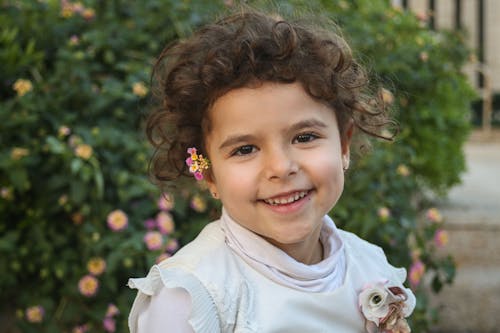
303 252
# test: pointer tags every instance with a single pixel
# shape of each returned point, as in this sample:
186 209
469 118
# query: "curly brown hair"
245 49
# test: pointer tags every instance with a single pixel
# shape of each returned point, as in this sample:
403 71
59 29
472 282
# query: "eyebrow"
307 123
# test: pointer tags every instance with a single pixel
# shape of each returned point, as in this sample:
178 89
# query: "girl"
266 109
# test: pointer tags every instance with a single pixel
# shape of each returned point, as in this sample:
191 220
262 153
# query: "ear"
209 178
346 144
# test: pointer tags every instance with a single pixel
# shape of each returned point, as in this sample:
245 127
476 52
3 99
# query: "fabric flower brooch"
385 307
196 163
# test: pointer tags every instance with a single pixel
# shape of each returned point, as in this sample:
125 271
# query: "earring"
345 163
214 194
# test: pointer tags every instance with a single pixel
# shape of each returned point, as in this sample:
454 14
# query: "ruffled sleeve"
203 317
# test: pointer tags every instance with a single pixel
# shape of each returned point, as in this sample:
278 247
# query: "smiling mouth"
288 199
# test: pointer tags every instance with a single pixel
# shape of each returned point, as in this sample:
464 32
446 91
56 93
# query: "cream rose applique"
385 307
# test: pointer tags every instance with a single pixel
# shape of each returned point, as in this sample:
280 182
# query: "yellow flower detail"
403 170
434 215
96 266
63 199
83 151
88 14
139 89
22 87
18 153
35 314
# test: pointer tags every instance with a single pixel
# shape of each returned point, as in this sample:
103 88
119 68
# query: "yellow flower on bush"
166 202
139 89
64 131
63 199
22 87
198 204
80 329
441 238
6 193
165 223
17 153
77 218
417 271
153 240
117 220
83 151
112 310
403 170
88 14
88 285
96 266
383 213
434 215
34 314
161 257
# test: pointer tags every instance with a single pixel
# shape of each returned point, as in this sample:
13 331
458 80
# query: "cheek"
328 165
234 179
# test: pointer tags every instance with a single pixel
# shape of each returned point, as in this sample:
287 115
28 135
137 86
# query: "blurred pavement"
472 219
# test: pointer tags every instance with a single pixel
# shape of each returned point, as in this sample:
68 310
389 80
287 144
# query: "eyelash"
310 137
240 150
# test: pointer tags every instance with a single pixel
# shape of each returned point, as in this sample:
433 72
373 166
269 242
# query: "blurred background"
79 215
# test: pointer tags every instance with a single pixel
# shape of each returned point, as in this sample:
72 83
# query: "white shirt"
169 310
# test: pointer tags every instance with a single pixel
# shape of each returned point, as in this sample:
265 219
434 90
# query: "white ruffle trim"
203 317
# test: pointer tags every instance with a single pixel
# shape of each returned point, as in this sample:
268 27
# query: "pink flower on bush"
6 193
384 213
165 223
112 310
117 220
417 271
153 240
109 324
88 285
198 204
96 266
150 224
441 238
64 131
434 215
166 202
172 245
80 329
162 257
415 254
35 314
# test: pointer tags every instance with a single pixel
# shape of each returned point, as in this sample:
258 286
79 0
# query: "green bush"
76 206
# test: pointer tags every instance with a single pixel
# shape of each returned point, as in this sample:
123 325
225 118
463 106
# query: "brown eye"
306 137
244 150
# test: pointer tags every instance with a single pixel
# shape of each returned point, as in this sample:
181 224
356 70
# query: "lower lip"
289 208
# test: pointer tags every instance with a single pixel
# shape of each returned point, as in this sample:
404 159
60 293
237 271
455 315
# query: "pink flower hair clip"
196 163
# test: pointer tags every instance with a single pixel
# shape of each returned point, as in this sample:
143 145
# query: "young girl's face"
277 162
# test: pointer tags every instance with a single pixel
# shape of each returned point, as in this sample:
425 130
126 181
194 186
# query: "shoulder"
182 271
210 241
371 257
360 246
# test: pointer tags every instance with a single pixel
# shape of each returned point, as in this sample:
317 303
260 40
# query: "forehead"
269 104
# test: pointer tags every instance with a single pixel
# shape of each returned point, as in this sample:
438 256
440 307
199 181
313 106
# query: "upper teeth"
284 200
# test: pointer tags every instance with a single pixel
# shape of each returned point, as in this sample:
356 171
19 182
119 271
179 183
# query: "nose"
280 164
